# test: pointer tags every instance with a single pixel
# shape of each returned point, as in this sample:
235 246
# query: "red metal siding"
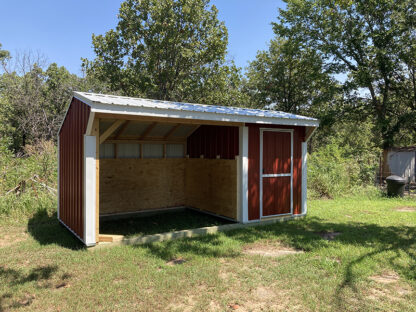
211 141
71 151
254 168
272 204
276 152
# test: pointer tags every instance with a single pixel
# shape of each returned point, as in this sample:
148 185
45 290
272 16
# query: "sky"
61 30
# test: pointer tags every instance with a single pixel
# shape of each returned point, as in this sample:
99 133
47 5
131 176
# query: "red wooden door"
276 174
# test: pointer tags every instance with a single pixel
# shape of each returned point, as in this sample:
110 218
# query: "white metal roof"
102 103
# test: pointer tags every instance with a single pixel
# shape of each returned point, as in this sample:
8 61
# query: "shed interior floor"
166 221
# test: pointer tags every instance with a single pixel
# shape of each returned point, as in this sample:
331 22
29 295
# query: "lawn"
348 255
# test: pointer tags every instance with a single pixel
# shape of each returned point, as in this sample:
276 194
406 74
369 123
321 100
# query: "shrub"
334 172
28 182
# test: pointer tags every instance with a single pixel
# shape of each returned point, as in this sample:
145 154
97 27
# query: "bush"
333 171
343 161
28 182
17 207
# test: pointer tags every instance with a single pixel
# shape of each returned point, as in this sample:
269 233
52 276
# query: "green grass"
42 267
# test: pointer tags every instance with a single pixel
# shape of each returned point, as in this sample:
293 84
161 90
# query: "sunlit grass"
47 269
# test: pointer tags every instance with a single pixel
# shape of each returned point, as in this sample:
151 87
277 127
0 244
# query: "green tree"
373 43
4 55
166 49
291 77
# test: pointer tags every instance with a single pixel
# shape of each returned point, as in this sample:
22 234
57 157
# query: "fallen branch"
35 178
50 189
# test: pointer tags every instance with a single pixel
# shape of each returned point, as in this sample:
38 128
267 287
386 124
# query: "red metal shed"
121 155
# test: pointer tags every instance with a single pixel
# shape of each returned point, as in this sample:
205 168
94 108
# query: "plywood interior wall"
211 185
129 185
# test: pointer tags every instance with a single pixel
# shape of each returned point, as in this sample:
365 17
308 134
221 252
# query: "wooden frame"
168 120
110 130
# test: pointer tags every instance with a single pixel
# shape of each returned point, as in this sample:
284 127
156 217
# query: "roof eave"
192 115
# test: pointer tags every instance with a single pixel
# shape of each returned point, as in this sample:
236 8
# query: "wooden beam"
147 138
105 238
192 131
138 141
308 132
169 120
122 128
172 131
148 129
111 130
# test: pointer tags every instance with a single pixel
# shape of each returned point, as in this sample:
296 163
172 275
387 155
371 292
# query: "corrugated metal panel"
71 149
183 131
253 173
107 150
254 169
402 163
129 101
276 196
105 124
211 141
127 150
174 151
152 150
276 152
136 128
160 130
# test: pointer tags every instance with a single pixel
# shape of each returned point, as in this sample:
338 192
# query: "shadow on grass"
14 277
305 235
47 230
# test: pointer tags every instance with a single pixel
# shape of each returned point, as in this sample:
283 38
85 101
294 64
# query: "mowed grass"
369 266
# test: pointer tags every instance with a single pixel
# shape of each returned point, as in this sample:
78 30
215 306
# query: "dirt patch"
388 286
405 209
12 237
269 250
63 285
186 302
386 278
176 261
329 236
265 298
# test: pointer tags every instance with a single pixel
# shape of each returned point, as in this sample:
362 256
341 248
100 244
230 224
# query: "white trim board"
242 175
304 207
261 175
89 200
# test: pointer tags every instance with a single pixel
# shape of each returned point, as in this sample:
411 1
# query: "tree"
291 77
33 98
372 42
4 55
164 49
